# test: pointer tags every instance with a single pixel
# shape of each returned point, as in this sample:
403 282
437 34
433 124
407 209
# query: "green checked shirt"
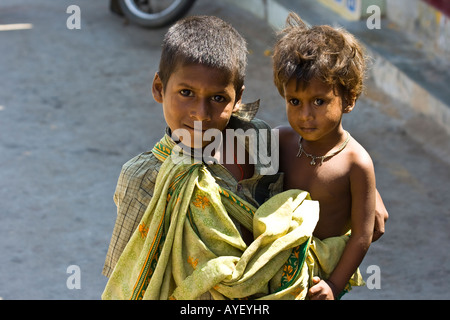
138 177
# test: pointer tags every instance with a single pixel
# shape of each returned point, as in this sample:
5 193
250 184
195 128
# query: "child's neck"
325 144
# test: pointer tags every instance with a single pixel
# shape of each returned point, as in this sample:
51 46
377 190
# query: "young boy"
319 72
199 84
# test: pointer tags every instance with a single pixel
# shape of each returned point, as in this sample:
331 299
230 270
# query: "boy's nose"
200 112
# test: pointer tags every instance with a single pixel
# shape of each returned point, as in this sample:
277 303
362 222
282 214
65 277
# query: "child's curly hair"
331 55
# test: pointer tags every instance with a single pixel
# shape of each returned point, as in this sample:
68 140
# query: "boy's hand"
321 290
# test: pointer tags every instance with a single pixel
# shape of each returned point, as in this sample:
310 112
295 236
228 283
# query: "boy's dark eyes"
218 98
189 93
186 92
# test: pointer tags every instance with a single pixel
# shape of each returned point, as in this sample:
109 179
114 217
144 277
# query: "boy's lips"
196 128
308 129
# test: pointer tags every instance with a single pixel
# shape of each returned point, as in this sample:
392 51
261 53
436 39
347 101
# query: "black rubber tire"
155 20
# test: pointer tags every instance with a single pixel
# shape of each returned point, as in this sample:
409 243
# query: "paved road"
76 104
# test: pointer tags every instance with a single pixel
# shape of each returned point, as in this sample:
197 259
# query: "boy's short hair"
205 40
329 54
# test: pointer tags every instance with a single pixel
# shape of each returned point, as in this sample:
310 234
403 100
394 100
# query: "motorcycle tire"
173 12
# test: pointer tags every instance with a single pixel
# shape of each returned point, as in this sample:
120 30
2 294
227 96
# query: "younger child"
319 72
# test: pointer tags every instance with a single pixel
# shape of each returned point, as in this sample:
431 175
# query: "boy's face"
315 110
196 93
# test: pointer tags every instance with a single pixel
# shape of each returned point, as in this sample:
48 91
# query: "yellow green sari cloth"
187 244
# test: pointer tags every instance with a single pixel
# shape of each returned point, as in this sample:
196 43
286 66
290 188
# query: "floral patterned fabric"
187 244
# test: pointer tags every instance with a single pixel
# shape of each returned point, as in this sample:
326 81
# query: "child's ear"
349 109
238 99
157 88
350 104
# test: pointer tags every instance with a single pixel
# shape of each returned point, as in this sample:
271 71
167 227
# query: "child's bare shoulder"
359 157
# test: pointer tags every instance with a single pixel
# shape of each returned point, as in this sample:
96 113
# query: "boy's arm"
133 193
363 192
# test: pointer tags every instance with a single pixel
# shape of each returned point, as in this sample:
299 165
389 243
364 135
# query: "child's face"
197 93
315 110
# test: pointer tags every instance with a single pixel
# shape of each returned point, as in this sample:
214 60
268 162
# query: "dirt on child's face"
197 98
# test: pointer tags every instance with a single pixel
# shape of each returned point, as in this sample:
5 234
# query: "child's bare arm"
363 192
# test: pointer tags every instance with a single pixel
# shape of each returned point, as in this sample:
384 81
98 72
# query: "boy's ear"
157 88
239 94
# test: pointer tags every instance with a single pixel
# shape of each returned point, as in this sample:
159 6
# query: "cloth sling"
187 244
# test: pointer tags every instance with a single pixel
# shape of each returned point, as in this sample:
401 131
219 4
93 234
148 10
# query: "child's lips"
308 129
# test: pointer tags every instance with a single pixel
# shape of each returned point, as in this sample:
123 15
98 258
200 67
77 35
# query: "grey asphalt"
76 104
